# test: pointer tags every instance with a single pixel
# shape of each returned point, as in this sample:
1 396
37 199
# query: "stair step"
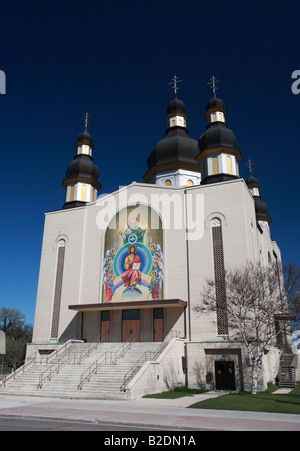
287 371
105 384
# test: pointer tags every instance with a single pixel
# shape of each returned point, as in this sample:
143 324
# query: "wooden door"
158 324
105 325
131 330
131 325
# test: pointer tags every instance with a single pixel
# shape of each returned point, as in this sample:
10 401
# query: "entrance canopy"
128 305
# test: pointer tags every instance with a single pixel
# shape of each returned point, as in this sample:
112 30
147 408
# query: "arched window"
83 193
229 165
215 165
168 183
190 183
269 259
72 193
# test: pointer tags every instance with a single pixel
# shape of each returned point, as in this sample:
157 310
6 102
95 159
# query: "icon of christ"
132 276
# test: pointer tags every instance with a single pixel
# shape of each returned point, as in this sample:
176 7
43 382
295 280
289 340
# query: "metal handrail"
21 369
147 356
86 375
33 359
104 359
56 367
36 357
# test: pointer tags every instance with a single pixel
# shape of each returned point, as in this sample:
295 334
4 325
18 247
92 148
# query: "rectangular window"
158 313
105 316
131 314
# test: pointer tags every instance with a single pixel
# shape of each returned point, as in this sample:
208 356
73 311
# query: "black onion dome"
177 149
252 182
176 106
85 138
261 208
215 103
83 166
177 146
217 135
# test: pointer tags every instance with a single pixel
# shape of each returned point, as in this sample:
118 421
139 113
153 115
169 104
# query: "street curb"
104 422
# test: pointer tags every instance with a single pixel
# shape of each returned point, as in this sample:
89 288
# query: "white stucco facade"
187 215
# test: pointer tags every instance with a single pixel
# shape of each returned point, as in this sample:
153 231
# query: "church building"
129 266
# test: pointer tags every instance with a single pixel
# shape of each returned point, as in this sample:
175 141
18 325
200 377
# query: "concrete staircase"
104 383
287 370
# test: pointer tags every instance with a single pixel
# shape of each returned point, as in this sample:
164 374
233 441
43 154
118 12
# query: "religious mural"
133 261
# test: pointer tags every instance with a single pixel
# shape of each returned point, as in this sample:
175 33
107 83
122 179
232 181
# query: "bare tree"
252 300
291 277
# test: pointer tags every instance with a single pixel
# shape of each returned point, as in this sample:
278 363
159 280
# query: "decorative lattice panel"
222 321
57 292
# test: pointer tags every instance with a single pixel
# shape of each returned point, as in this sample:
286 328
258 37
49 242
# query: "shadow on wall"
72 330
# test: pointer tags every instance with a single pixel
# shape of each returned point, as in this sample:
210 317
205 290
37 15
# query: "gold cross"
174 82
213 82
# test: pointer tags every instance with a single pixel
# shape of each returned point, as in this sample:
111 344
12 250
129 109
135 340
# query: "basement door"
131 325
225 375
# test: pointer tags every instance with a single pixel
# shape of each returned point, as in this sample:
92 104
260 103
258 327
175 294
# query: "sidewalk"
160 413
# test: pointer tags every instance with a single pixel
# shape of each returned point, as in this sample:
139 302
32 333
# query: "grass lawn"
267 401
178 392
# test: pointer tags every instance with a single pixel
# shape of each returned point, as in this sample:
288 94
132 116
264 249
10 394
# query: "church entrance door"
131 325
105 323
225 376
158 324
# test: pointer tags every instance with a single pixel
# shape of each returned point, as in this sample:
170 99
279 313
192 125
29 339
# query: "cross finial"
174 82
250 164
86 120
213 82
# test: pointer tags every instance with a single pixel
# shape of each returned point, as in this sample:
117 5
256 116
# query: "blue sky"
115 59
